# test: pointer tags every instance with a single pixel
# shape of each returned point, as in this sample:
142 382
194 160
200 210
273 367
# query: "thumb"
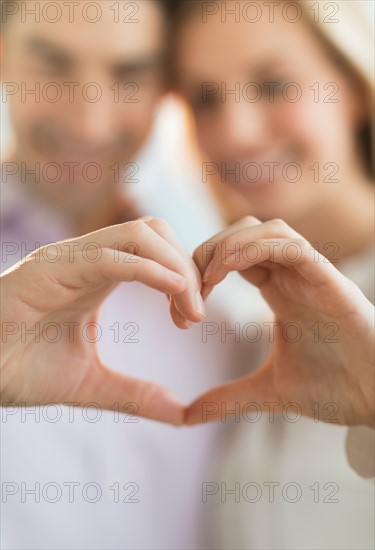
238 398
109 389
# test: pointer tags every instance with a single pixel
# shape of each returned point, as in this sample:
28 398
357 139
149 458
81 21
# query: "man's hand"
69 292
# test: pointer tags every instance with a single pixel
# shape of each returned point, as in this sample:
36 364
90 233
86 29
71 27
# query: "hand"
303 288
36 292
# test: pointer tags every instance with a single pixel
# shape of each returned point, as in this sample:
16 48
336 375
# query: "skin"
305 132
37 292
303 290
306 291
106 132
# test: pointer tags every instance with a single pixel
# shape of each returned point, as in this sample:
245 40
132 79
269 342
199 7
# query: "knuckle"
106 254
144 219
303 249
278 222
131 226
302 243
160 224
251 220
279 226
136 228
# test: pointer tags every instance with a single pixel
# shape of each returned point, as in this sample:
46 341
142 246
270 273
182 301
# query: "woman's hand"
36 293
330 366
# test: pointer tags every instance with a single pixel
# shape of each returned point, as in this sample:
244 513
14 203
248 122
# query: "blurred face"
274 115
98 77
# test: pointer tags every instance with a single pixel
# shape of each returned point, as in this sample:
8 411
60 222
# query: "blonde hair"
352 35
349 36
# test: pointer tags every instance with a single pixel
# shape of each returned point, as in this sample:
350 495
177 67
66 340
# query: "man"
138 468
82 85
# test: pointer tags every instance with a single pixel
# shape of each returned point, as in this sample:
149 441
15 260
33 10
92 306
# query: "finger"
153 238
192 293
112 390
203 259
294 254
257 275
162 228
206 291
241 242
204 253
137 237
244 396
114 267
179 320
54 285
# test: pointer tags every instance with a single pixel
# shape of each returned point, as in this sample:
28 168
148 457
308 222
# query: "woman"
282 108
86 298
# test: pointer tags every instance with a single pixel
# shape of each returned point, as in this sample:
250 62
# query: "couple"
149 478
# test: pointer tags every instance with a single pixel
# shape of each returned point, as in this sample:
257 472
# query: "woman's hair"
350 43
349 39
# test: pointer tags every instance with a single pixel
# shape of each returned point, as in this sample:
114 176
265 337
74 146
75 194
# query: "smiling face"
288 131
98 84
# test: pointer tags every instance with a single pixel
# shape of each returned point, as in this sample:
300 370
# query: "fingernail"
206 291
208 272
199 305
188 324
230 259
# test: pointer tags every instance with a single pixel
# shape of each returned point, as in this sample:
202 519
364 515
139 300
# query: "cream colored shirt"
296 485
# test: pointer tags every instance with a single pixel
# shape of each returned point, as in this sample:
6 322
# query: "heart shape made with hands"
300 286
